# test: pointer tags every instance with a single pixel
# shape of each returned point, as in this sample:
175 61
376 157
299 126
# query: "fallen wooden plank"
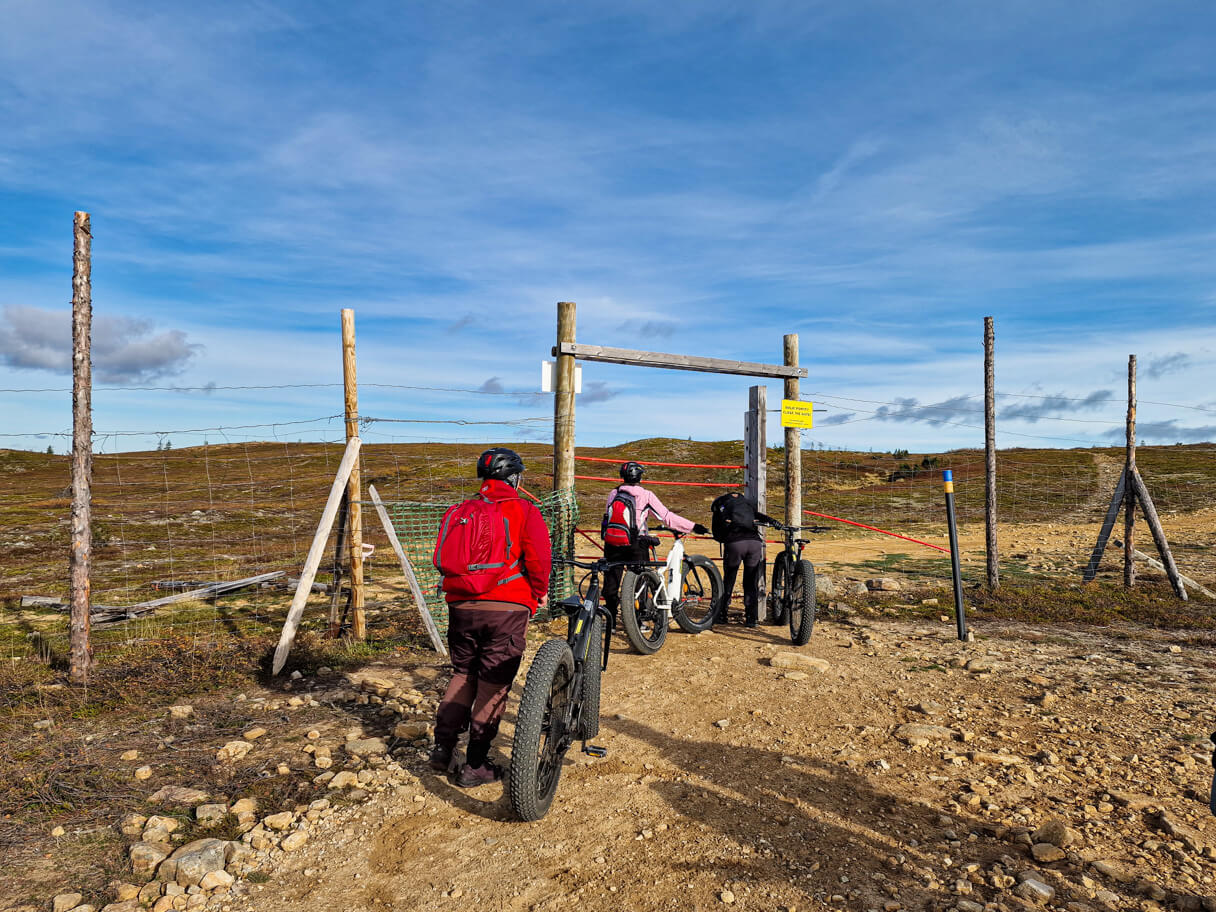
203 592
407 569
1160 567
43 601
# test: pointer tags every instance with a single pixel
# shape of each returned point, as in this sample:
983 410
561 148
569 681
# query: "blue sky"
700 177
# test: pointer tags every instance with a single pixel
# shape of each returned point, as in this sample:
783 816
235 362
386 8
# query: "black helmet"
631 472
500 463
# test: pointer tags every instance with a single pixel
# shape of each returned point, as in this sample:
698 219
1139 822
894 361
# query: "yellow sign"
797 414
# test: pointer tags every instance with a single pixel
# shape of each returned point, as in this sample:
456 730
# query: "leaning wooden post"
755 452
1129 468
82 450
793 442
316 550
563 400
355 516
994 580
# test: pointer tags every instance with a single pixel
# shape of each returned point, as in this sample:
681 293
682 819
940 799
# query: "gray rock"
1055 831
193 861
145 856
176 794
1113 870
127 905
787 658
1035 891
922 734
366 747
209 815
1046 852
65 901
884 584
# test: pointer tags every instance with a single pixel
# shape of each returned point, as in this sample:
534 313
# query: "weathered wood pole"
563 400
81 661
994 577
350 386
793 443
1129 493
755 458
1159 539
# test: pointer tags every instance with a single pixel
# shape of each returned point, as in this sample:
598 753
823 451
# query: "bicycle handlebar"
780 526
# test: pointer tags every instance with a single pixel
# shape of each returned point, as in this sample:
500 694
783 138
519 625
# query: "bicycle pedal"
595 750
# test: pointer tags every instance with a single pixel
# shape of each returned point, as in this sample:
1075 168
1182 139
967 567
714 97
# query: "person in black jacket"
734 525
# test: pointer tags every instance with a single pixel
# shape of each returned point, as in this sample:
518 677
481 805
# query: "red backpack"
473 552
620 523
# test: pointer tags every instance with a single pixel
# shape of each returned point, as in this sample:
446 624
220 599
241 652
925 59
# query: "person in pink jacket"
647 505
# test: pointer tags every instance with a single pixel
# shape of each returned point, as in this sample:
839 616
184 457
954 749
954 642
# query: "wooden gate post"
82 450
793 443
994 579
563 400
350 386
1129 469
755 453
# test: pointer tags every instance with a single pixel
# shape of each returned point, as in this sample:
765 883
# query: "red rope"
876 529
681 484
678 465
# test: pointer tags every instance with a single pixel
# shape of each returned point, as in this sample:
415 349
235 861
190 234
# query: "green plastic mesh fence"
417 526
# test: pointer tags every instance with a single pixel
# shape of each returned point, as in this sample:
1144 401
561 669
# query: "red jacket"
529 543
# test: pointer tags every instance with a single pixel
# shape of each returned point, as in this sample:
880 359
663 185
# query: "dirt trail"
725 774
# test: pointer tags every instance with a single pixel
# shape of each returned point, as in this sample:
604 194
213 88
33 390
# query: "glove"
699 529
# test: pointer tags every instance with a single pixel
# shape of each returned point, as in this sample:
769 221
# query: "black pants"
750 553
612 579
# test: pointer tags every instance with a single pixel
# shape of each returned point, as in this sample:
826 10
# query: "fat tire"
589 691
779 591
802 613
529 799
703 565
634 585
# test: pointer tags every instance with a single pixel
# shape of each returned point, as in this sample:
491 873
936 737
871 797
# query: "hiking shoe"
473 776
751 622
440 758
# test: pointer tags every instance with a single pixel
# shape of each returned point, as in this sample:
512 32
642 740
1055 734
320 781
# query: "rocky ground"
884 766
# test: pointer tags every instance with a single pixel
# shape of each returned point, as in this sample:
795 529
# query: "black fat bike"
791 597
686 587
561 699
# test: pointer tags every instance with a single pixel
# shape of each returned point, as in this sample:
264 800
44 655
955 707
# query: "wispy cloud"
1166 432
124 350
492 385
935 414
1167 364
1032 409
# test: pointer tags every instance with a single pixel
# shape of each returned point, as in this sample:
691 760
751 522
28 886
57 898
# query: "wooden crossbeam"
584 352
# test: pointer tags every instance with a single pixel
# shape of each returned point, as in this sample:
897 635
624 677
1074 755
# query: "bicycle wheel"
645 626
588 724
541 737
779 591
802 603
700 594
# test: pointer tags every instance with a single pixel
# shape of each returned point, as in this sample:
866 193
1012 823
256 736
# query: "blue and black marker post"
960 611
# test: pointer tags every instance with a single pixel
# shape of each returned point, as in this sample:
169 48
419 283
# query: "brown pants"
486 644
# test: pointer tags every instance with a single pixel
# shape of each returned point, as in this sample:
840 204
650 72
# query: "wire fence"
227 505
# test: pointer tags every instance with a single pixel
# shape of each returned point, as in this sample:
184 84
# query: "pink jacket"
647 504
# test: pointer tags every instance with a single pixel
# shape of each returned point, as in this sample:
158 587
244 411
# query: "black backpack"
732 513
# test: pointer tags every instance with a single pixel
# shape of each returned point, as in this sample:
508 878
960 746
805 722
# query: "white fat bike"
686 587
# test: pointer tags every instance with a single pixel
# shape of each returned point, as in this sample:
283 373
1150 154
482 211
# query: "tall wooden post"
1129 494
793 443
82 449
755 446
350 386
755 453
563 400
994 580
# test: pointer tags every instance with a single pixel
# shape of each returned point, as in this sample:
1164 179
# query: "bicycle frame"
672 576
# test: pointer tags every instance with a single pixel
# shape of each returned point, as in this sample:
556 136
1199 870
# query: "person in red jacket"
486 637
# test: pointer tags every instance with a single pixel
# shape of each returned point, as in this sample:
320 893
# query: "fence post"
1129 468
793 443
994 579
563 400
350 386
960 610
82 450
755 453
